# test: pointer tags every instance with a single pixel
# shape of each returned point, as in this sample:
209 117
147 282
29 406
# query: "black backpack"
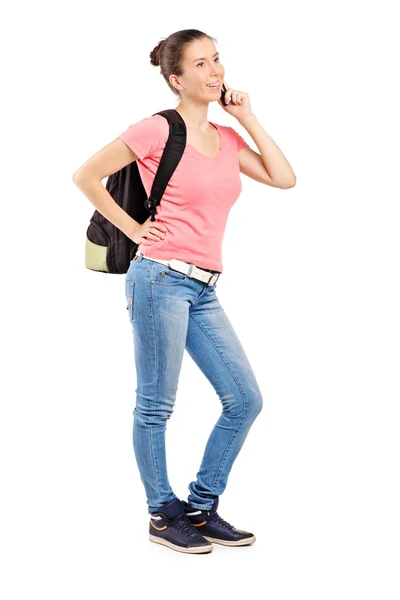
108 249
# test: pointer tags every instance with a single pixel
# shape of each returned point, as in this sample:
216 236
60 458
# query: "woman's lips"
215 87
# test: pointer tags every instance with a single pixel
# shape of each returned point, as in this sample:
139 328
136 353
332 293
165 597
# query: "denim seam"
202 293
156 374
241 393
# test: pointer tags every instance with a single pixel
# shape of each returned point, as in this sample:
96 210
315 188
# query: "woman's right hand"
154 231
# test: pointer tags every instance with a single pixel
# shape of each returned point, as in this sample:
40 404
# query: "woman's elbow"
289 183
76 177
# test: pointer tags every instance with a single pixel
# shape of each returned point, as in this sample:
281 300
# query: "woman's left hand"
238 103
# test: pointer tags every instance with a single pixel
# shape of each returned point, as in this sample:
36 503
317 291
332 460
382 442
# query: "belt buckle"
215 281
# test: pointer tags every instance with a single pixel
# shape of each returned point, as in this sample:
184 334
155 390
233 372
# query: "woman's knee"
237 405
256 405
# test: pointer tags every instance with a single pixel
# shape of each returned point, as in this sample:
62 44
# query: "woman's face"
200 67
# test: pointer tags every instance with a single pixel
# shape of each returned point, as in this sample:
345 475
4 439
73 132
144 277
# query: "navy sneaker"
171 527
215 529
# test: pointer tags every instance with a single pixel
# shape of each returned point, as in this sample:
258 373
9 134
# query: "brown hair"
169 52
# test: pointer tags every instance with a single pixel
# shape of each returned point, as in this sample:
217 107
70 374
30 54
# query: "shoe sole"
244 542
192 550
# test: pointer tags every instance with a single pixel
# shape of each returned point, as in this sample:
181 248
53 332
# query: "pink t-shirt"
199 196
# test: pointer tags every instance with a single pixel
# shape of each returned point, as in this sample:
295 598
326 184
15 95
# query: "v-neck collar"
206 155
190 146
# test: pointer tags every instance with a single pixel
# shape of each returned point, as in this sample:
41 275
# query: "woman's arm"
88 178
270 166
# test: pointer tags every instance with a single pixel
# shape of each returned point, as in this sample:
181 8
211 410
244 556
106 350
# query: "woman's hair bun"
155 54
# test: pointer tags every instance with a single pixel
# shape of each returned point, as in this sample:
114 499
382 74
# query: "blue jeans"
170 311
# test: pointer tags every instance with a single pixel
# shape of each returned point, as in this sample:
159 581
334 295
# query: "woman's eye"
202 63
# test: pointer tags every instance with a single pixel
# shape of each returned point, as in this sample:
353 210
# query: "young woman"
171 282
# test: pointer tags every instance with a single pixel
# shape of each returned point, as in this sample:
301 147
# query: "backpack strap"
174 148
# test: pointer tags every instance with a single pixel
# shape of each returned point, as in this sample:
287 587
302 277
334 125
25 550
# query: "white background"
310 282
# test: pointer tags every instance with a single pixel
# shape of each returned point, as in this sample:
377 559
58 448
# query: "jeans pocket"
130 298
166 276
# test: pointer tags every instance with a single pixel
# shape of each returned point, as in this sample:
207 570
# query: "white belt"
184 267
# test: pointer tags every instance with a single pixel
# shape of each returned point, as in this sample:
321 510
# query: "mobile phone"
223 92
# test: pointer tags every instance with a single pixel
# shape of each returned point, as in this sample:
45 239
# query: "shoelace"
214 516
182 522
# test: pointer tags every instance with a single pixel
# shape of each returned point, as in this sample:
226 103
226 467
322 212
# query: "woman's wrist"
247 118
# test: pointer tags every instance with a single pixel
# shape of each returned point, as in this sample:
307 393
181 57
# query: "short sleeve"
240 142
143 137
